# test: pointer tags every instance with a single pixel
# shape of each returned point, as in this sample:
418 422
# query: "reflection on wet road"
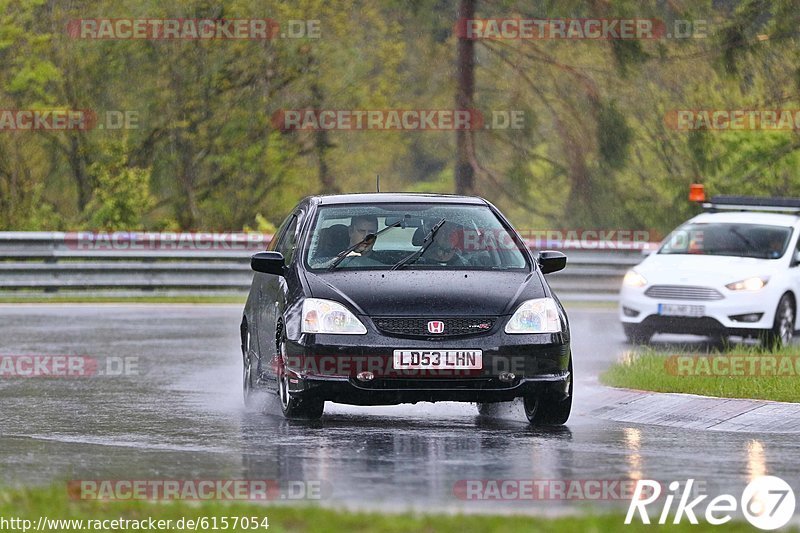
179 416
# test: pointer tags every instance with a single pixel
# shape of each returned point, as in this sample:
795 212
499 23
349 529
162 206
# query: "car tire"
547 409
782 330
489 409
720 342
294 407
248 391
637 334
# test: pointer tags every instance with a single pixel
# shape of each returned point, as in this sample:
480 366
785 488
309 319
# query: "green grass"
53 503
694 373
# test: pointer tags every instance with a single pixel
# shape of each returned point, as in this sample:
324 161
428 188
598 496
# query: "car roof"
398 197
747 217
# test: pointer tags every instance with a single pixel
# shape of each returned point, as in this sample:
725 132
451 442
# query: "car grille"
418 327
681 292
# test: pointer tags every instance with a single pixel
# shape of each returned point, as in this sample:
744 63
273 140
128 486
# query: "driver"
776 245
360 227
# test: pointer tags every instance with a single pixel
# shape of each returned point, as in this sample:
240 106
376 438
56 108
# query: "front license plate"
681 310
438 359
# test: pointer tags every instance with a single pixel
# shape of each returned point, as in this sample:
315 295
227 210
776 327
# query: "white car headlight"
535 316
326 316
634 279
749 284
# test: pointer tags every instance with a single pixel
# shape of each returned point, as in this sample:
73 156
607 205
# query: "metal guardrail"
33 263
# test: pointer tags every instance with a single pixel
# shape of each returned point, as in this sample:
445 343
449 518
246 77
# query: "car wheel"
782 330
294 407
720 341
247 374
548 409
637 334
488 409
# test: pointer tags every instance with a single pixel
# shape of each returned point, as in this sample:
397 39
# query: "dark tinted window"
288 240
740 240
471 237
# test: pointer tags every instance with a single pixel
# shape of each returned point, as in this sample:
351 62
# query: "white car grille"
682 292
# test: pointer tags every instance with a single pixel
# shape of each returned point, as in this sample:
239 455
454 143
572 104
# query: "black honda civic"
379 299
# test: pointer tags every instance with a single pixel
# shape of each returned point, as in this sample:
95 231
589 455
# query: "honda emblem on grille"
436 326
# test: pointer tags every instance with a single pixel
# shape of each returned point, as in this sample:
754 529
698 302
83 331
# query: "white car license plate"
681 310
438 359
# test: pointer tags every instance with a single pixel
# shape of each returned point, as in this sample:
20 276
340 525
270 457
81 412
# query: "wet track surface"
180 416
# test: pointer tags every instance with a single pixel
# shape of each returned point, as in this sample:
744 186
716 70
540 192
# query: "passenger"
444 249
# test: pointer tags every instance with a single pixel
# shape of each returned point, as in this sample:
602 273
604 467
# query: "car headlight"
326 316
634 279
749 284
535 316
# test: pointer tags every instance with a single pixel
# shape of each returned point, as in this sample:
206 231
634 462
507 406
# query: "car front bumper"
639 309
327 367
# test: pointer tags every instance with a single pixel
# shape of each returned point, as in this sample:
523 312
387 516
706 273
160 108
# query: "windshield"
740 240
449 237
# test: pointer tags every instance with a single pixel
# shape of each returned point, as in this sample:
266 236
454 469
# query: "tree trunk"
321 146
187 212
78 165
465 92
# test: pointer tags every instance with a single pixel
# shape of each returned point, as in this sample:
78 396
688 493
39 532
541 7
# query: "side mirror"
268 263
551 261
796 258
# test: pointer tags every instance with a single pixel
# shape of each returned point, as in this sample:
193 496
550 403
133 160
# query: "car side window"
288 240
795 262
279 233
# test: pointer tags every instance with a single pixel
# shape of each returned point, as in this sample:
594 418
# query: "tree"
465 93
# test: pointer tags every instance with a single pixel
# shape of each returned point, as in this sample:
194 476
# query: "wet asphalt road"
179 416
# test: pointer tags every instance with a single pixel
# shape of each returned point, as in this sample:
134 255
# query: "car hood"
425 292
702 270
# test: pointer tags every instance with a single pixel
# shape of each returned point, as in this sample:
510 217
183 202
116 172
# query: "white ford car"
732 270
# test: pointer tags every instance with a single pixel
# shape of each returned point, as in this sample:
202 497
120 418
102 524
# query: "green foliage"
613 136
442 183
122 196
593 150
262 225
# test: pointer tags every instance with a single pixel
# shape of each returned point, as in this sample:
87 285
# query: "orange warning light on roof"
697 193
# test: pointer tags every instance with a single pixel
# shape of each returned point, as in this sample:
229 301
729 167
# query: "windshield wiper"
426 242
370 238
744 239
